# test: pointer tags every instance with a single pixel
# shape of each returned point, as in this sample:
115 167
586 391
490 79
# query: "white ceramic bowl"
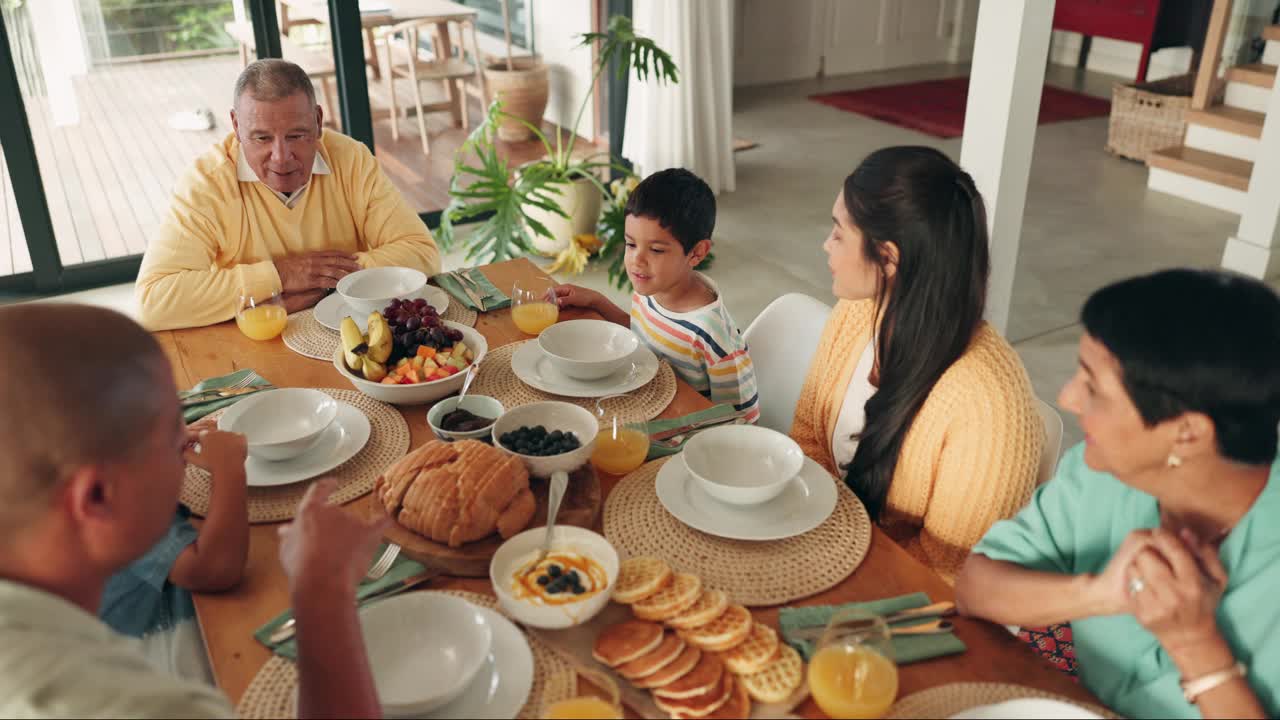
552 415
424 649
418 393
742 464
513 553
588 349
370 290
280 424
480 405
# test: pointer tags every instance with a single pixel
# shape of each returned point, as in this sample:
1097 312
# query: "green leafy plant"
484 182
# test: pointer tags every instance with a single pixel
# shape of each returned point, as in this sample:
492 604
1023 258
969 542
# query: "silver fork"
377 571
240 384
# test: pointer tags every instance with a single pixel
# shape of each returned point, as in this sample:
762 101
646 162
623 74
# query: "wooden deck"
108 179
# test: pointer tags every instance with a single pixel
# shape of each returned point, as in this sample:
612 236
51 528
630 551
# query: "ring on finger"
1136 585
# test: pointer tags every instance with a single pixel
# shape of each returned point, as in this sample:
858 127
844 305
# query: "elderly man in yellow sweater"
280 205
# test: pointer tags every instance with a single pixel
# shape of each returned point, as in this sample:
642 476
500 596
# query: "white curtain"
688 124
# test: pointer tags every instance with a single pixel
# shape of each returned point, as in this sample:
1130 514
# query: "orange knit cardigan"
970 457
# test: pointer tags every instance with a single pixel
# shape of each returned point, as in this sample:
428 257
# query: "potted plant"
520 84
523 207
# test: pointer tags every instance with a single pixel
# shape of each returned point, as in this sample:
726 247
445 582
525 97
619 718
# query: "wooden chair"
404 61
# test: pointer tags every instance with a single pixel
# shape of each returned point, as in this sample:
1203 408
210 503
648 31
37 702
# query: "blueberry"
555 589
543 579
578 589
554 571
556 435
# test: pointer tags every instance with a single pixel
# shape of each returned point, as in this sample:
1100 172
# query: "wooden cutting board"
581 507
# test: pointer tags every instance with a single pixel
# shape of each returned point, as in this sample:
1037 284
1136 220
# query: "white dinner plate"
340 442
1027 708
504 681
330 311
806 503
534 369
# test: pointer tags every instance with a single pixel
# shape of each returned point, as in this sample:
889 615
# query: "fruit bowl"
420 392
552 415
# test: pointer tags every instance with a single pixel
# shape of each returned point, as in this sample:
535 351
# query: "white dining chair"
1052 441
782 340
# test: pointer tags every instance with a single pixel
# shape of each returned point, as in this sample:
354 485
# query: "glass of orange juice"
852 673
533 306
261 317
623 442
586 707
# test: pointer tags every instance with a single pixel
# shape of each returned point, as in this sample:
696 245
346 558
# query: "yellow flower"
573 259
588 242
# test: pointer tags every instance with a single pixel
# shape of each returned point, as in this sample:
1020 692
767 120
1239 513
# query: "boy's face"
655 260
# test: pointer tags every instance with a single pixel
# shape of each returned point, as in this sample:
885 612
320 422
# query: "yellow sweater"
221 234
970 457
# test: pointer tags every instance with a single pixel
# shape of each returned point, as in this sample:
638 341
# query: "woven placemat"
272 694
307 337
752 573
947 700
497 380
388 440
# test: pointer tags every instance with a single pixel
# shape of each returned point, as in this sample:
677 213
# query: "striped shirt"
703 347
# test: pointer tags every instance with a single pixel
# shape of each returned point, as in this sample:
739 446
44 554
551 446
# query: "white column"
1255 249
1005 80
60 49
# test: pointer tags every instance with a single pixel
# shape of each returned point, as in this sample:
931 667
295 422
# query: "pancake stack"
700 655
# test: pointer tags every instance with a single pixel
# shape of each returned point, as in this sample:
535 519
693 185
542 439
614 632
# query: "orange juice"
852 681
263 322
581 707
622 453
532 318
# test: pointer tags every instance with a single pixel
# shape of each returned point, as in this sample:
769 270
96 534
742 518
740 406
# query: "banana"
379 339
353 344
374 371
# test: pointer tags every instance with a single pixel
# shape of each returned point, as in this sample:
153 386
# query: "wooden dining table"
229 619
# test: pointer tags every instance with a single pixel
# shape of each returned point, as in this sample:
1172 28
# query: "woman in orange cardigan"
921 406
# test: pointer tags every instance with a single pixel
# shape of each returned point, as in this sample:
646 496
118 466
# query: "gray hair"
58 414
273 79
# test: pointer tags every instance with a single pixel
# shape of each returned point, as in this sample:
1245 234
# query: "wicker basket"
1149 116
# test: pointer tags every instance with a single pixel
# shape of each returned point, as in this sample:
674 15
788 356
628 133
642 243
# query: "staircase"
1215 161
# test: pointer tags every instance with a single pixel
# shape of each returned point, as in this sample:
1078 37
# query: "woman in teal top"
1159 537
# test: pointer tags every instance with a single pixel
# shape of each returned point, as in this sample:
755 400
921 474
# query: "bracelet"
1193 689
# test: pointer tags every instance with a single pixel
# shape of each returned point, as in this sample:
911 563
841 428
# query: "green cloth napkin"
906 648
668 424
195 412
494 299
401 570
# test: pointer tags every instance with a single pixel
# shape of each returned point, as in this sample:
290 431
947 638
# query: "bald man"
90 468
280 205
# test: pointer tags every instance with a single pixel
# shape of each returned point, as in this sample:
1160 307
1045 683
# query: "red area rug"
937 107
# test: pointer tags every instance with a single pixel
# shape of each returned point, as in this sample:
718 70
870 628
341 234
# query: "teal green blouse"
1074 524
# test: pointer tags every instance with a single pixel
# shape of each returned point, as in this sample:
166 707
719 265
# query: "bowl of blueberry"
548 436
567 587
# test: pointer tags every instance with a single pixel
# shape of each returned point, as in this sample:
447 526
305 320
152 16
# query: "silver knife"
466 288
290 626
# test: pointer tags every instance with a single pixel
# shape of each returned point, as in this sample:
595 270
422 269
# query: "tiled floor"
1089 217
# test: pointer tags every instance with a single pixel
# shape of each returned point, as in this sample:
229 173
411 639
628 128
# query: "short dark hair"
681 203
1202 341
273 79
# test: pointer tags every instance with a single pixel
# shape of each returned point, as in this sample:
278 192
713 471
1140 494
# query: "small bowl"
742 464
588 349
552 415
280 424
481 405
512 555
424 650
371 290
417 393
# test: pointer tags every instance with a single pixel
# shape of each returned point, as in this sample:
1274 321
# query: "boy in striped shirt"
675 310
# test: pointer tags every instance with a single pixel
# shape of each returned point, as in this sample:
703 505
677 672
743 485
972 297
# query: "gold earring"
1173 461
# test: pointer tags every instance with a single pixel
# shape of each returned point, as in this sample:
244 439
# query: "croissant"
457 493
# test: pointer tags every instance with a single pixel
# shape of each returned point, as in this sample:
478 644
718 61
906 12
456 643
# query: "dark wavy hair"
922 202
1203 341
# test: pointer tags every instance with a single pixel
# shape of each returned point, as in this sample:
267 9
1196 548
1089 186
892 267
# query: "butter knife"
465 285
212 395
290 627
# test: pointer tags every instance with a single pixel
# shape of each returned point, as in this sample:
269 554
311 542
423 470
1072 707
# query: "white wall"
777 41
557 29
